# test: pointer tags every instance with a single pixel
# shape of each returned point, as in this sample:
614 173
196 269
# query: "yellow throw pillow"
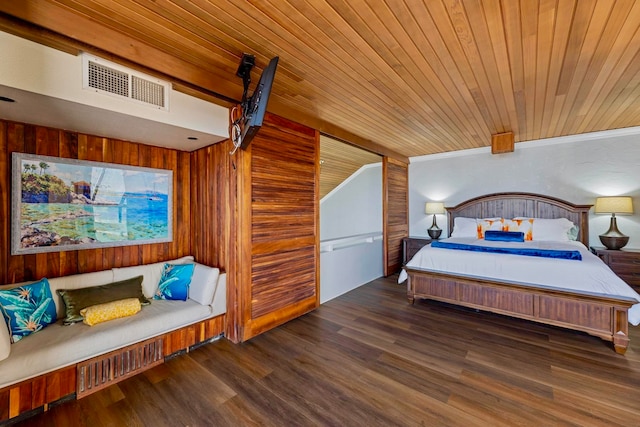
110 310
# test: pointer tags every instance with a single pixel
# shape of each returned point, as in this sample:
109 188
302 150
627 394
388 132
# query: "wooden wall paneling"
241 266
182 206
212 201
210 193
25 138
15 142
395 212
284 225
5 208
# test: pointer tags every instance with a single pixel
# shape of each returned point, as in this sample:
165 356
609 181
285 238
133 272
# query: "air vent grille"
106 77
146 91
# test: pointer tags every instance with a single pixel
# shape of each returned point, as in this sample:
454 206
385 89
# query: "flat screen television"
256 105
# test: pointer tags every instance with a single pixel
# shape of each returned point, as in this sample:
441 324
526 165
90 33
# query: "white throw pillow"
557 229
203 284
5 339
464 227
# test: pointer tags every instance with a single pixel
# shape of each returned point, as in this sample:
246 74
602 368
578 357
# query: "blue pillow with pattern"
27 309
174 282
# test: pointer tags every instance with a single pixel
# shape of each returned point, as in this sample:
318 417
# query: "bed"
599 314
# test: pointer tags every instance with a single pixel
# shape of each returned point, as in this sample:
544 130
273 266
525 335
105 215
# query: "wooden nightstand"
625 263
411 245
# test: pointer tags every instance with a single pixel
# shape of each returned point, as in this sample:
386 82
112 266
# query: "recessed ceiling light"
192 138
5 99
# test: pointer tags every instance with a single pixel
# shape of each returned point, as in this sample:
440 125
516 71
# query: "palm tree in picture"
43 167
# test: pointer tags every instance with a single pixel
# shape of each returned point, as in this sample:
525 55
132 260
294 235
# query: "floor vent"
109 78
95 374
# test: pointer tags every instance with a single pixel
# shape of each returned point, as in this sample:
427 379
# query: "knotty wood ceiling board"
407 76
338 161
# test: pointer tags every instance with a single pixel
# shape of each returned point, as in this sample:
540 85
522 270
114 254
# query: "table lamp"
434 208
613 238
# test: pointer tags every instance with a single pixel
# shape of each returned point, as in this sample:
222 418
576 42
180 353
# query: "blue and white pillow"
174 282
28 309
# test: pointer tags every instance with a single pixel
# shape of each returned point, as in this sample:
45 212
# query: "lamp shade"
614 205
434 208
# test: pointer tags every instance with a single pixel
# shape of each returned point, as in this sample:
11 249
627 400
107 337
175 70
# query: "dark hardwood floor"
368 358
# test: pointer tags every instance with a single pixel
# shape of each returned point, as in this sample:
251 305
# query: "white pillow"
5 339
556 229
464 227
203 284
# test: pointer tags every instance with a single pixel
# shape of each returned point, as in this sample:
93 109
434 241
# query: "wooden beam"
502 143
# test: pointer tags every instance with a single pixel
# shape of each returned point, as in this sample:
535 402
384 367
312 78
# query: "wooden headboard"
510 205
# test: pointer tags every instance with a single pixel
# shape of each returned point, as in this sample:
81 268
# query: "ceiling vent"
106 77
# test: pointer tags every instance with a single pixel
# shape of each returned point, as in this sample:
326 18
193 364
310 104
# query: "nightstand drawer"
632 279
625 261
627 266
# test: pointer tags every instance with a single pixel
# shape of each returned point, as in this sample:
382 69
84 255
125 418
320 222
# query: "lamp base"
613 239
434 233
613 242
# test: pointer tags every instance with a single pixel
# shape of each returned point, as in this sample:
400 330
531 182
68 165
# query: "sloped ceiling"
398 77
338 161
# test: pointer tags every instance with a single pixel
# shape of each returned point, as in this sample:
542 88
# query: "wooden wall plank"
19 137
395 187
275 262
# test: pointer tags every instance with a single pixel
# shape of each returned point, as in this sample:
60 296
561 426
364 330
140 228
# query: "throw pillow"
203 284
174 282
28 309
110 310
485 224
524 225
464 227
504 236
77 299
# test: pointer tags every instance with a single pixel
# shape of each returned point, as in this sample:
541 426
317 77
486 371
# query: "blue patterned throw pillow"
174 282
27 309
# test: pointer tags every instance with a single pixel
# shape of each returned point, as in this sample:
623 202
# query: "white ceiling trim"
582 137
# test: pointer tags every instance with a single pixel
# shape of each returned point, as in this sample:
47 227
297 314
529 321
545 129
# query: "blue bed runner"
544 253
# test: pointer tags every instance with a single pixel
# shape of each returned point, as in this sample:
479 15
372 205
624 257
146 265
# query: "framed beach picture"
65 204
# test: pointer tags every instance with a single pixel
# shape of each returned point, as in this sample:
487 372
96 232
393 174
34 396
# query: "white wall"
346 269
355 206
577 168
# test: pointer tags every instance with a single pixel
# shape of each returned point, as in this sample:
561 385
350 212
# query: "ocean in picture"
134 216
74 203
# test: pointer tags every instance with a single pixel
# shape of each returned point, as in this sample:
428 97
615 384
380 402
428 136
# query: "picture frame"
61 204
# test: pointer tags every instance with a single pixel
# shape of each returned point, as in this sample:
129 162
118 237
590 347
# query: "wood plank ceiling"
338 161
399 77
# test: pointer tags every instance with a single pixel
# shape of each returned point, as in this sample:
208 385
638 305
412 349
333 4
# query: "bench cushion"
57 346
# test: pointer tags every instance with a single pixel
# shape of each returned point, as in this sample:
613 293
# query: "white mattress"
589 275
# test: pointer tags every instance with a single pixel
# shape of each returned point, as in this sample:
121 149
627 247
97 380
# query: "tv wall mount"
247 63
244 71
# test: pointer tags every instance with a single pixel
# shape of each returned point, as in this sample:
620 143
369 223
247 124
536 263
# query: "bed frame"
601 316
